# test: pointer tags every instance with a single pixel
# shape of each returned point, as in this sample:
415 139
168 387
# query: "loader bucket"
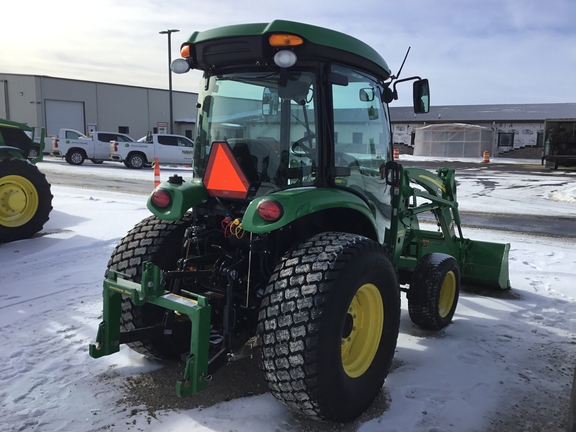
485 263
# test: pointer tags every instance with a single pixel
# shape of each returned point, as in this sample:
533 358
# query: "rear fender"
301 202
184 196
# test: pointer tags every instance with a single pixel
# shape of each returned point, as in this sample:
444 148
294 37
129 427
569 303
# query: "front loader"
297 231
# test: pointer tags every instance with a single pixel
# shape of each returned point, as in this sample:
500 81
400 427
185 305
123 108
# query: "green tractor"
25 197
297 231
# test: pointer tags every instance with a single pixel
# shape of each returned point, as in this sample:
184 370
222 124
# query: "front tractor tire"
434 291
159 242
25 200
328 326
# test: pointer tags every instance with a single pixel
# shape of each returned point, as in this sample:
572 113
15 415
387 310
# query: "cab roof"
341 47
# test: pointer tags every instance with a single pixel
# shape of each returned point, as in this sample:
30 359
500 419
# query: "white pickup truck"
169 149
76 147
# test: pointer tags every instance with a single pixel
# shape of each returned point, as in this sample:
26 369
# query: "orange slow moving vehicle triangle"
224 177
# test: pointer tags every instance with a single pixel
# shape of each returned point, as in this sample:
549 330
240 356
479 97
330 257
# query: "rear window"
16 138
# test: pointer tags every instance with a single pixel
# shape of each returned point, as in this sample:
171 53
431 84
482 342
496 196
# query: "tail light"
55 142
270 210
115 145
161 198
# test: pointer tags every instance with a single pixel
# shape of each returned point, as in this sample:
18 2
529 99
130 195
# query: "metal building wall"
20 101
108 106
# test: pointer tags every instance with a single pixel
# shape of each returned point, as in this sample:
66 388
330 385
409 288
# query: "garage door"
64 114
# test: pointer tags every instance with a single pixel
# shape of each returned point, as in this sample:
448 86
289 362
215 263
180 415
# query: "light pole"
169 33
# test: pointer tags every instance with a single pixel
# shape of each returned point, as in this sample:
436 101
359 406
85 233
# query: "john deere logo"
127 145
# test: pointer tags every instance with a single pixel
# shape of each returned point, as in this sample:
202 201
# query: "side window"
360 120
168 140
122 138
363 135
104 137
185 143
72 135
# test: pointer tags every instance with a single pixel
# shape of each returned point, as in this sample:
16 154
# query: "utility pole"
169 33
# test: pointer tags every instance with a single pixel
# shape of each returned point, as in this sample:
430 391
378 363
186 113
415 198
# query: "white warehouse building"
86 106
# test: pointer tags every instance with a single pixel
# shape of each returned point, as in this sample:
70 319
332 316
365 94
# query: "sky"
505 363
473 52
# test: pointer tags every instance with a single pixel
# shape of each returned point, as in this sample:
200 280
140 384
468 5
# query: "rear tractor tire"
25 199
328 326
159 242
434 291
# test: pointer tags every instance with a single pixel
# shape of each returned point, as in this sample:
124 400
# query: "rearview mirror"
367 94
391 173
421 96
270 102
294 88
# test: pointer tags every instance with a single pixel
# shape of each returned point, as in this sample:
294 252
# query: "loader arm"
481 263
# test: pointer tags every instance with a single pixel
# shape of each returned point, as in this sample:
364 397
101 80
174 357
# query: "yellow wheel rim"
362 330
447 294
18 201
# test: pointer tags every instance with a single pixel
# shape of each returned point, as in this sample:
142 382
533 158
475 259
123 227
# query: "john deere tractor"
297 231
25 197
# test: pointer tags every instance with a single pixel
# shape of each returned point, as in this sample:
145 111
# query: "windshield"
269 122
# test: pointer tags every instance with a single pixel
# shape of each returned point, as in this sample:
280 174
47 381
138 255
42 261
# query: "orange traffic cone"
486 157
156 172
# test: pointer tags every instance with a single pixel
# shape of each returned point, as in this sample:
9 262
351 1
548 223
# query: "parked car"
76 147
168 148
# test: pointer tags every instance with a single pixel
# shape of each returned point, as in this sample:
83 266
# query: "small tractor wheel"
34 152
160 242
75 157
25 199
136 160
434 291
328 325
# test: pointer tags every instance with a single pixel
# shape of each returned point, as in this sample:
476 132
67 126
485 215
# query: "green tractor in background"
25 197
298 230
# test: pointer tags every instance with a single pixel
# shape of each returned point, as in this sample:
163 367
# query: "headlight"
285 59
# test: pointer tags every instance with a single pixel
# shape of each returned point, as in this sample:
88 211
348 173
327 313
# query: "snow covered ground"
505 364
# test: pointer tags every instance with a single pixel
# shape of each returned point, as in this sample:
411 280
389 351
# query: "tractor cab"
281 109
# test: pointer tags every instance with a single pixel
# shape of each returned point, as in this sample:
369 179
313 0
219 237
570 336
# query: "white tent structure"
453 140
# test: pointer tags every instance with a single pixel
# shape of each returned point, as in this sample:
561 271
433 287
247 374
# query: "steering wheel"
304 149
